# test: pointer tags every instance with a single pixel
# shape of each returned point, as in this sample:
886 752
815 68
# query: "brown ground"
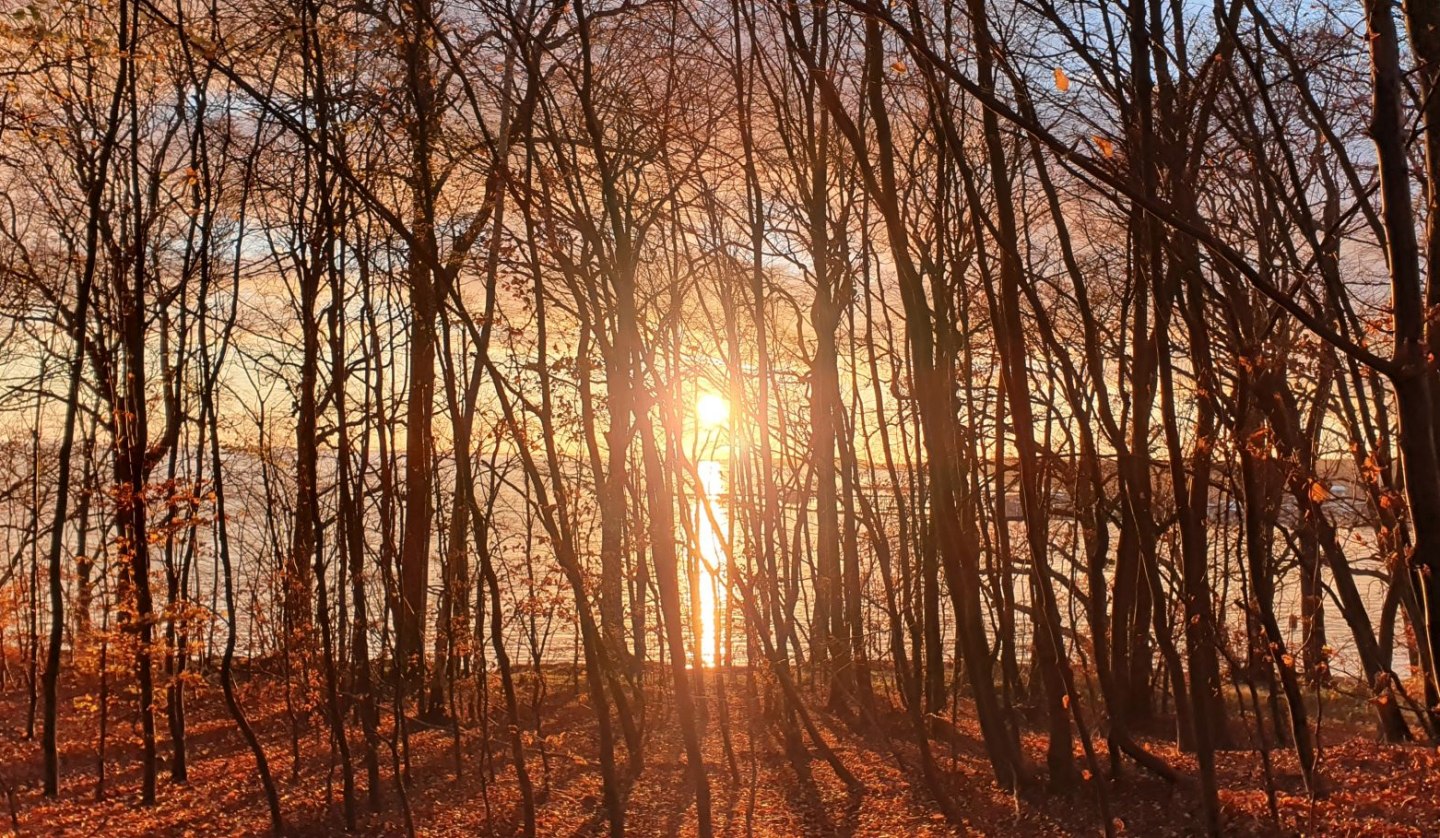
1374 789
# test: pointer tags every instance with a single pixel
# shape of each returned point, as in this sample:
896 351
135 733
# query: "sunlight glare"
712 409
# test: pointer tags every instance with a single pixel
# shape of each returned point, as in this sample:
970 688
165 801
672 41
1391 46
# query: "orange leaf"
1062 81
1105 146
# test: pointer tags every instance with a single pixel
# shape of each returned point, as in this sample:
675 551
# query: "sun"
712 409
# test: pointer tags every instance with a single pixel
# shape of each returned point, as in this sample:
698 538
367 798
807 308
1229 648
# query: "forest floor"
1373 789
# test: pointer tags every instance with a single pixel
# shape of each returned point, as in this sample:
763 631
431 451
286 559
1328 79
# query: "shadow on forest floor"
1373 788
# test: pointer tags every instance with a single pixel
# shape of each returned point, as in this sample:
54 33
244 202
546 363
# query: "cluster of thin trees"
1071 349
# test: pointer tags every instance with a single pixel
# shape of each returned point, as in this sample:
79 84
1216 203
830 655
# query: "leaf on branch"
1062 81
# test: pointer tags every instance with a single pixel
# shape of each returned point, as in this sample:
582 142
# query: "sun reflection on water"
712 566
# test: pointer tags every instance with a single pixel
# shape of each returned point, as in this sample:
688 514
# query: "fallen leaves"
1378 788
